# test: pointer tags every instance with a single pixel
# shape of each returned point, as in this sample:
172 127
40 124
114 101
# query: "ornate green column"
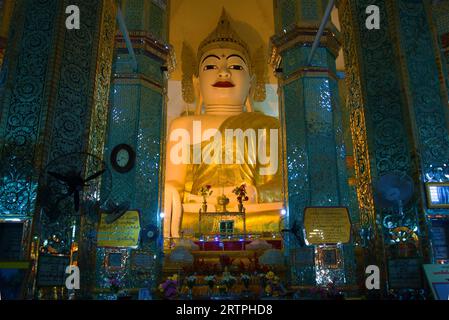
24 100
53 103
314 147
397 99
77 114
137 118
426 93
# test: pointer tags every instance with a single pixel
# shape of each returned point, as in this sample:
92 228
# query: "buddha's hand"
173 210
252 194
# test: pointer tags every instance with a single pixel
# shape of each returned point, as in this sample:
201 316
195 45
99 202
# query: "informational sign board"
51 270
405 273
122 233
438 278
439 234
327 225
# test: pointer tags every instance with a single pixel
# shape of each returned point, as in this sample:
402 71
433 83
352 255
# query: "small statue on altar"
205 192
241 194
226 143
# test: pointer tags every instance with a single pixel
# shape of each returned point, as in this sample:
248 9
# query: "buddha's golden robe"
269 187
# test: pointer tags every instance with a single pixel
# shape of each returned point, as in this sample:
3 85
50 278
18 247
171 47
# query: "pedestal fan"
393 191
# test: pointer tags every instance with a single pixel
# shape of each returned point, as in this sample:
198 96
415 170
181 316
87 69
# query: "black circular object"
149 233
123 158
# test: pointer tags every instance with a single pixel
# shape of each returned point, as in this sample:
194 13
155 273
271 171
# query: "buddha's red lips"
223 84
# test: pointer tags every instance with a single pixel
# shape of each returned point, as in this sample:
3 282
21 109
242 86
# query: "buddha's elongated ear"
249 103
198 97
188 59
261 73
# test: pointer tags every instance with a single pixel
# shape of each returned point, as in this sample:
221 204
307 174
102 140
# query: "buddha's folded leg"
173 212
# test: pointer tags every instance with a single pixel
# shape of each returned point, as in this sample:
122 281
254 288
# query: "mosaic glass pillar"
24 100
367 135
78 113
397 115
55 81
425 87
137 118
26 71
427 98
313 135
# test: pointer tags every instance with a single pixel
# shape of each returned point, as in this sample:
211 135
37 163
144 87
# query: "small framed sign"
304 256
437 195
141 260
122 233
51 270
329 257
405 273
115 259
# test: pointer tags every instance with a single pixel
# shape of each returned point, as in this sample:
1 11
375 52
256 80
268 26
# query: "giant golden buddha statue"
226 143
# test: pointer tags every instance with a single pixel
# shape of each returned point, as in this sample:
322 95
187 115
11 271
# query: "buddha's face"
224 77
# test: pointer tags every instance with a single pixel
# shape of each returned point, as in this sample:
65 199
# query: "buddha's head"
224 77
224 70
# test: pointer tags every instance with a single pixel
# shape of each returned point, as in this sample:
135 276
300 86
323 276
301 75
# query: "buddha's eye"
209 67
236 67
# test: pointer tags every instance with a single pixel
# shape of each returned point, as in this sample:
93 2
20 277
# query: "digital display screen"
438 195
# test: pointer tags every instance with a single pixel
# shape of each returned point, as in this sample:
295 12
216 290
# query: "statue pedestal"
260 219
250 207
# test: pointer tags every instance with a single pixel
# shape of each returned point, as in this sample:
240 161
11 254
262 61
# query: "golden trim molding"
355 103
306 35
299 35
133 79
152 46
311 72
100 110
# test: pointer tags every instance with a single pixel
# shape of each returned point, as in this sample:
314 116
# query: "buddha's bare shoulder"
184 122
204 121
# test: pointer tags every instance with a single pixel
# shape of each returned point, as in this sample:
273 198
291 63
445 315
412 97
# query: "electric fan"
71 181
393 191
293 235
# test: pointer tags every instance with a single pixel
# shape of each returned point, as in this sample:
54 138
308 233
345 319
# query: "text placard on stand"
122 233
405 273
327 225
51 270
